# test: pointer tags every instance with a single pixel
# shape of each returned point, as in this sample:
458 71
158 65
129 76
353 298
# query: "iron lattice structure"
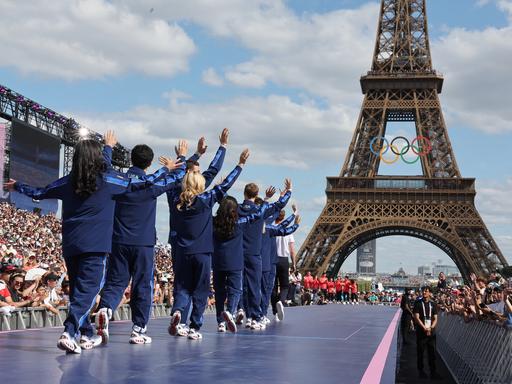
16 106
439 206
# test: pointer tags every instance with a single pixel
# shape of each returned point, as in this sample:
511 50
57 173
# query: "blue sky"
283 76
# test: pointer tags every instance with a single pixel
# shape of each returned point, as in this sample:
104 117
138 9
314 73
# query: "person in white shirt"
285 257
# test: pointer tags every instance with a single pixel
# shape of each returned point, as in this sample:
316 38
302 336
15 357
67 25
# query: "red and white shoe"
175 321
102 319
230 322
240 316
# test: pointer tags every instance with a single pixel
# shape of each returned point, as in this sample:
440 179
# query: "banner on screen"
34 159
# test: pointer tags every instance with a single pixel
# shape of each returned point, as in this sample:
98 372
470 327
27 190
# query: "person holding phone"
425 316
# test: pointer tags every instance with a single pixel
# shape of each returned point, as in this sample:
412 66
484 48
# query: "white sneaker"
221 327
102 319
194 335
265 320
230 322
182 330
280 311
139 338
87 343
175 321
248 323
240 316
68 344
257 325
276 318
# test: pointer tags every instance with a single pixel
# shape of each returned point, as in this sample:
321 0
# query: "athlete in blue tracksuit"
269 256
133 247
192 217
209 175
252 249
228 260
87 195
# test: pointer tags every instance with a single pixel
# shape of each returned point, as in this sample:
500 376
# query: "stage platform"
315 344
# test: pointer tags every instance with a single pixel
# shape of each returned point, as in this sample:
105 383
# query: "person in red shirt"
316 286
331 290
338 284
353 291
308 281
323 284
346 290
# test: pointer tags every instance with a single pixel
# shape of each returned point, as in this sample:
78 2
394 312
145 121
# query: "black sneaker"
422 374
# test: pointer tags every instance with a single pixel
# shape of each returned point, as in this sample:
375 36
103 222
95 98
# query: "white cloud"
244 78
506 6
505 244
493 201
88 39
323 54
211 77
273 127
475 64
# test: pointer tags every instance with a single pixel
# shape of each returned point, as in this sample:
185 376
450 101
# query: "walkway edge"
375 369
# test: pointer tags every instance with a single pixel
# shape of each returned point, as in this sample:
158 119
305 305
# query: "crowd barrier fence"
26 318
476 351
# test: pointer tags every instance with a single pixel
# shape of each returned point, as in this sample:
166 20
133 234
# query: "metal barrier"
475 352
26 318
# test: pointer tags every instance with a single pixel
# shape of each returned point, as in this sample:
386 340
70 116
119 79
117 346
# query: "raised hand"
201 145
243 156
287 186
294 208
9 186
224 137
110 139
297 219
270 192
182 148
169 163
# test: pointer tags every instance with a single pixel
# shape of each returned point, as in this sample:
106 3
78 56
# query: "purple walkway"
317 344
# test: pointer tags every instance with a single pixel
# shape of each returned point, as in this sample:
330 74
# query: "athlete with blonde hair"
192 216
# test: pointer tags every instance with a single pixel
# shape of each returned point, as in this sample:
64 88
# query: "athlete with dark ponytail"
87 195
228 260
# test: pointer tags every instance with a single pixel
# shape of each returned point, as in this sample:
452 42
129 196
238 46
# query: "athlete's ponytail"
192 185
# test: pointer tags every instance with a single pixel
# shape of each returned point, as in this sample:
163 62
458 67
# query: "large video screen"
34 160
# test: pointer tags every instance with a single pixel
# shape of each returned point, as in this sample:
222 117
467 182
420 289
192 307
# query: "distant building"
400 274
424 270
448 270
366 258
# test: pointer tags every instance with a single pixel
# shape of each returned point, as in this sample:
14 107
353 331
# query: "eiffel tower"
438 206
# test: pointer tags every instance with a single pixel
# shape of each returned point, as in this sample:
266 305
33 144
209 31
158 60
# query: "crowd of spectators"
33 272
483 299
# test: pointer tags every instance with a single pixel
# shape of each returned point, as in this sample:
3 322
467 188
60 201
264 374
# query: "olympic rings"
380 153
389 161
422 148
